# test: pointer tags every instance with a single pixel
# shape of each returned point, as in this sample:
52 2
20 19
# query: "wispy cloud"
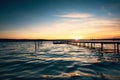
69 26
75 15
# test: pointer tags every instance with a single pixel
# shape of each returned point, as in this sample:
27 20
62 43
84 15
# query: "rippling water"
22 60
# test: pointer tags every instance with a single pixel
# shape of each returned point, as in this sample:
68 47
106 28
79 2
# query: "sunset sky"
59 19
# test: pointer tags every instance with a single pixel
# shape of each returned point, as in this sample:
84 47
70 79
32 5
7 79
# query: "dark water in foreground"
21 61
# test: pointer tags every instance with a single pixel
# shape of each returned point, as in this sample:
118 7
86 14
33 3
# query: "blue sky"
38 16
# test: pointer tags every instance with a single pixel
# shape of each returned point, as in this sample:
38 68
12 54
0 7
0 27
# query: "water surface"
47 61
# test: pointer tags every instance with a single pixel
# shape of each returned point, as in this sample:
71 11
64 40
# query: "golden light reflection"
63 75
89 60
68 75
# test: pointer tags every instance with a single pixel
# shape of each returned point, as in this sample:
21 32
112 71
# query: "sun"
77 37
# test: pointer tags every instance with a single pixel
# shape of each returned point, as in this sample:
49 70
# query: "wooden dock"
88 43
91 44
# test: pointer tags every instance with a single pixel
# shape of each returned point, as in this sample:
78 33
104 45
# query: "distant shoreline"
5 40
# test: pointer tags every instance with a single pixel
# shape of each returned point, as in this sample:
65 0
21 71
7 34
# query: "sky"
59 19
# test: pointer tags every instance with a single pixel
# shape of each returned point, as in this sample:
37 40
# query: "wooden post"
79 44
83 44
88 45
94 45
117 48
35 46
91 45
38 43
114 48
101 46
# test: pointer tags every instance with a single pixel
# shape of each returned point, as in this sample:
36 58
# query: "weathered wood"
117 48
101 47
79 44
92 43
35 46
114 48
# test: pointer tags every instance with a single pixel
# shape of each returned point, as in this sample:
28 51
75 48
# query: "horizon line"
50 39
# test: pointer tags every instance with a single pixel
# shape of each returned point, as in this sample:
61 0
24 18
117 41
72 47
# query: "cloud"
76 15
68 27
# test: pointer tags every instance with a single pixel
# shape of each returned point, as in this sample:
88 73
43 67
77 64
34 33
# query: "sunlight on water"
24 60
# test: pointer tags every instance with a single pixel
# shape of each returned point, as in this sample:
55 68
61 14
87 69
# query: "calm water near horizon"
24 61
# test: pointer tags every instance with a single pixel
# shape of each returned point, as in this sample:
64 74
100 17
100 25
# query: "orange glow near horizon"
58 36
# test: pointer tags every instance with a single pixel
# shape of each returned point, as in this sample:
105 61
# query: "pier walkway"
93 42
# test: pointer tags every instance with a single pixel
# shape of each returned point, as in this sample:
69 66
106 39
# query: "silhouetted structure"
91 44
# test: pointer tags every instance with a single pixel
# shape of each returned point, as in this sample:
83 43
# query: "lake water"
47 61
